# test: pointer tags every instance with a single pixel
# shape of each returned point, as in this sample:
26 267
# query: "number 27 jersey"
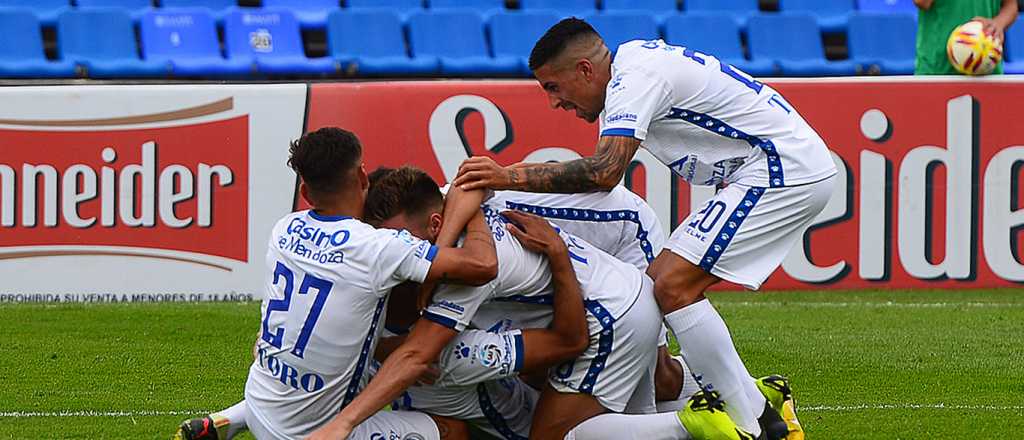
708 121
327 284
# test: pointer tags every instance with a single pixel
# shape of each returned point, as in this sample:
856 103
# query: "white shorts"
744 232
476 356
382 425
503 408
618 366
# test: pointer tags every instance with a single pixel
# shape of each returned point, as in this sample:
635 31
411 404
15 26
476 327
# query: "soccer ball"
971 51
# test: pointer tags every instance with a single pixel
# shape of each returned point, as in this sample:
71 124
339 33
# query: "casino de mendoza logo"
144 185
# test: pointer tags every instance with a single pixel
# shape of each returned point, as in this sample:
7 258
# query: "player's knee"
675 291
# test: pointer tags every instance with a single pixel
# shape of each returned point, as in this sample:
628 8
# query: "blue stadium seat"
403 7
655 6
46 11
793 41
21 48
384 54
134 7
741 10
715 34
312 14
884 40
484 6
103 41
1013 50
514 33
887 6
457 38
216 7
617 27
832 15
578 8
187 39
272 38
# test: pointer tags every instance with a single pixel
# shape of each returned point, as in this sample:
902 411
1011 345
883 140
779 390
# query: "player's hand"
992 27
535 233
479 172
331 431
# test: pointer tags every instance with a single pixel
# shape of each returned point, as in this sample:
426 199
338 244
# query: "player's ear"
434 224
364 180
304 192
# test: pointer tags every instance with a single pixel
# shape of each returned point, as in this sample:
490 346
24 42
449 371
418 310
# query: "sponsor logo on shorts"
451 307
490 355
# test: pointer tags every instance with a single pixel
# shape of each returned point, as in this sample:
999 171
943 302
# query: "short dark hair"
554 41
406 190
324 158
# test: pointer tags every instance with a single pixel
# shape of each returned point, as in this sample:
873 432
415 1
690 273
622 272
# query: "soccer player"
328 278
712 125
614 372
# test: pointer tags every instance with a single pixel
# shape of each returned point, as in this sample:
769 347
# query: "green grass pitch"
870 365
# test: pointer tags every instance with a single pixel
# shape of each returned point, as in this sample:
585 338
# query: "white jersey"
321 318
709 122
618 222
521 295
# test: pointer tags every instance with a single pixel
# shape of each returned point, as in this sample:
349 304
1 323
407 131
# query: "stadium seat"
514 33
832 15
187 39
312 14
216 7
21 48
103 41
272 38
457 38
46 11
715 34
385 54
887 6
565 8
134 7
660 7
403 7
1013 50
886 41
793 41
741 10
617 27
487 7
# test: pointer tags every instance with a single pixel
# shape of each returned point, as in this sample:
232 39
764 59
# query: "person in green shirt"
937 19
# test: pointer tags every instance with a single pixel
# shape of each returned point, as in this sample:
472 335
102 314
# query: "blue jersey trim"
520 352
494 416
730 228
627 132
443 320
431 253
604 345
328 218
537 299
591 215
364 355
776 176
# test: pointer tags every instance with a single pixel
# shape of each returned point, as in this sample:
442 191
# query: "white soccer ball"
973 52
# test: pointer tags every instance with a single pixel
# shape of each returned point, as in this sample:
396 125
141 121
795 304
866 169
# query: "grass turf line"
869 355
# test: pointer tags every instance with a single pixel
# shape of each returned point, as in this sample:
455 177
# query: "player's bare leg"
451 429
704 339
668 377
557 413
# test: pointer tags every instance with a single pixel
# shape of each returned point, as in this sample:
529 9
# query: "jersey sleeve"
402 257
454 306
635 97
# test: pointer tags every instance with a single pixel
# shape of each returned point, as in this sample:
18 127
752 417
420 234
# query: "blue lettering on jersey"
287 374
452 307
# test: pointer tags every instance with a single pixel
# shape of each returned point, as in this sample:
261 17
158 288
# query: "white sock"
707 348
661 426
236 416
689 387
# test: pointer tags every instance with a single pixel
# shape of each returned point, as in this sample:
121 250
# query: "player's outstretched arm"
568 335
474 264
600 172
459 208
399 371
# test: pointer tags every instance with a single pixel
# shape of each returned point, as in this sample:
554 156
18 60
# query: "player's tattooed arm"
600 172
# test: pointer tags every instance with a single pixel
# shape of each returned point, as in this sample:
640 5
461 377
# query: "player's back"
708 121
325 294
618 222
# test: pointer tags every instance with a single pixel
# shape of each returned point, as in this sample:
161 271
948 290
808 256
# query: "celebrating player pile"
523 305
